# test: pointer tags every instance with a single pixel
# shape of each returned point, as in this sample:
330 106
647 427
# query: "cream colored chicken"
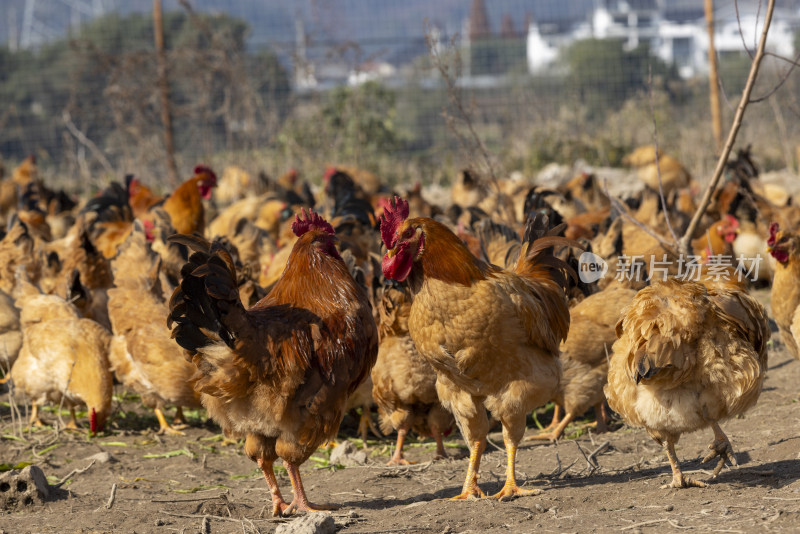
143 356
688 357
584 358
404 382
64 358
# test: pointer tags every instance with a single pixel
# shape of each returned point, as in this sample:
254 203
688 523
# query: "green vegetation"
232 105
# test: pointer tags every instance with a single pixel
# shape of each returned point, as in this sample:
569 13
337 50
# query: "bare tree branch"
685 241
88 143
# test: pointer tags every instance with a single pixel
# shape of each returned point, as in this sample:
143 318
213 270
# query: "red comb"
329 172
393 216
201 169
773 233
311 221
93 421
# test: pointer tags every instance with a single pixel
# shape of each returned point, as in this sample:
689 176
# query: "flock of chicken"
278 320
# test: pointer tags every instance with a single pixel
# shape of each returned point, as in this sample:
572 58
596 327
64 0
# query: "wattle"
397 267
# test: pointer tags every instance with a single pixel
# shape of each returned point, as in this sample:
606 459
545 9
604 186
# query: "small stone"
102 458
313 523
159 522
539 508
669 508
346 453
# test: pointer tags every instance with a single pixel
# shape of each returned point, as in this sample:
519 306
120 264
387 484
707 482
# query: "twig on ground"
588 463
645 523
603 446
112 497
73 473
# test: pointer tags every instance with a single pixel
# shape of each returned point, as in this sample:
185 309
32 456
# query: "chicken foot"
510 488
72 424
471 489
300 502
179 421
164 427
601 417
35 420
441 454
554 421
679 480
278 504
557 431
720 447
397 458
365 425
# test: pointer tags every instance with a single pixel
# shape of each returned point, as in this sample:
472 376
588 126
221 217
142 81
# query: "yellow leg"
300 502
557 432
5 379
397 458
510 488
721 448
179 421
164 427
278 504
72 424
679 480
34 420
471 489
555 420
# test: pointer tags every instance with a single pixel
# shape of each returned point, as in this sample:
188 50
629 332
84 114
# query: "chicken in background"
18 248
784 247
10 333
689 355
491 335
585 189
649 163
404 383
280 372
368 182
113 221
296 191
142 354
185 204
64 358
140 197
718 239
584 358
265 211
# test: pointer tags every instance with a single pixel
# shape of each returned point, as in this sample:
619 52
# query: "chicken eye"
408 233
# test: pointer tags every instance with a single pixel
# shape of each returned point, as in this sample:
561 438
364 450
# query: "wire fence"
366 83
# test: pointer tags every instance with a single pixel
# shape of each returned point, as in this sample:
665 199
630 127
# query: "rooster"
184 205
280 372
491 335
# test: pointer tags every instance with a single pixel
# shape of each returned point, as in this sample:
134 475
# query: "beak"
390 253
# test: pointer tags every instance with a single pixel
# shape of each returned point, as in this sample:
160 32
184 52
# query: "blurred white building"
676 40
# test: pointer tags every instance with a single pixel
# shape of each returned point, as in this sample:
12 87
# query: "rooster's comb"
329 172
205 169
773 233
310 221
393 216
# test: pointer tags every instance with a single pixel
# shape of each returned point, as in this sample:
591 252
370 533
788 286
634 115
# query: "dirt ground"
196 483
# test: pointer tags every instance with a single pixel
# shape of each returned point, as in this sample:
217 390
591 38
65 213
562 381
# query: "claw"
724 451
509 492
682 481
